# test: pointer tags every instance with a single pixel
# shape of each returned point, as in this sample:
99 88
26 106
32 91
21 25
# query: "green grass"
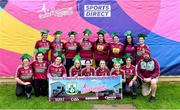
168 97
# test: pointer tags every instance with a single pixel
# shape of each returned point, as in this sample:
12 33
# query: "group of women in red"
84 58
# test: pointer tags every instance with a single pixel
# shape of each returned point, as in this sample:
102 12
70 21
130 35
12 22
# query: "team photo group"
132 60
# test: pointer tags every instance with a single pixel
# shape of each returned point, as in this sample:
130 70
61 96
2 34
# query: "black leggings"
22 89
97 63
110 65
40 87
69 64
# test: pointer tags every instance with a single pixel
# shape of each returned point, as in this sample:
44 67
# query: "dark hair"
97 41
102 60
39 53
87 60
126 42
43 33
62 60
25 58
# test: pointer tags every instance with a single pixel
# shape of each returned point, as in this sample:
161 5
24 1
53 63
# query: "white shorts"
146 86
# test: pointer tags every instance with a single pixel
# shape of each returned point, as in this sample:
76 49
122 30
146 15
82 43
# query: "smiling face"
44 36
86 36
100 37
128 61
102 64
146 56
88 64
129 39
77 64
141 40
26 62
40 57
72 38
58 60
117 66
116 39
57 36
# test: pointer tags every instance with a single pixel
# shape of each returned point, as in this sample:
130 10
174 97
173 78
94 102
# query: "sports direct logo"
97 10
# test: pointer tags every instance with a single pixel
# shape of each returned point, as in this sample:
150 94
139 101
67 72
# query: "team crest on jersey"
58 49
56 75
139 53
116 50
87 48
100 47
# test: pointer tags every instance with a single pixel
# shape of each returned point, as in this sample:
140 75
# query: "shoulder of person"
154 59
123 67
92 68
19 66
72 67
48 41
83 69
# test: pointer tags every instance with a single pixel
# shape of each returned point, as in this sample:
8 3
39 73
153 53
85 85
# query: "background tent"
21 20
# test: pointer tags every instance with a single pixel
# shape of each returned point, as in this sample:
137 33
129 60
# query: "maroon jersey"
115 50
74 71
40 69
87 72
148 69
56 47
102 72
23 74
45 45
130 49
129 73
71 49
57 71
101 51
115 73
139 52
86 49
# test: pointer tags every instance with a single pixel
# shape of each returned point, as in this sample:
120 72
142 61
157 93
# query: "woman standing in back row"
101 48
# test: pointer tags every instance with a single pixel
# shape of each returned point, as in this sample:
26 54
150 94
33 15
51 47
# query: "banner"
21 21
85 88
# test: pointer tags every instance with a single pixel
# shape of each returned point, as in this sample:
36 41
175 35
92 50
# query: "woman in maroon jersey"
44 43
129 45
56 45
75 70
131 83
141 47
24 76
102 70
100 48
116 49
88 70
117 68
86 47
71 49
57 69
40 73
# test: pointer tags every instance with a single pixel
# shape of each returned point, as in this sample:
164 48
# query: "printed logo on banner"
97 10
57 12
71 88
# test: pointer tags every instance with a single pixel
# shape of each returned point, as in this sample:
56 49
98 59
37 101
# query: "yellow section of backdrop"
16 36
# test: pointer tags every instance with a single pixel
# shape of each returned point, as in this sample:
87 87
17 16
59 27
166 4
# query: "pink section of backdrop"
159 16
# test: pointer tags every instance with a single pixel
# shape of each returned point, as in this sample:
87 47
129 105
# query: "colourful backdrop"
21 20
